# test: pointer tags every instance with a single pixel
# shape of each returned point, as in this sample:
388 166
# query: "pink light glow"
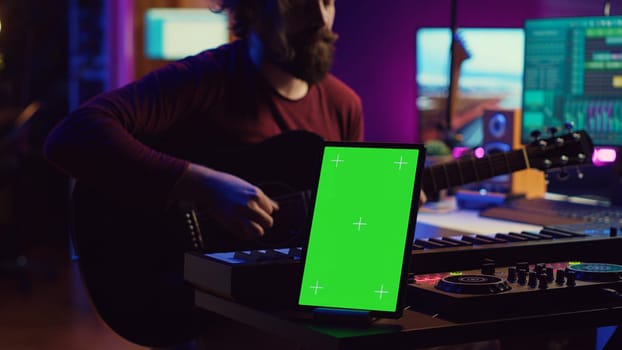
479 152
458 152
602 156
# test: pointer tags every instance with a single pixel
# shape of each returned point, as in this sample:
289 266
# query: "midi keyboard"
271 276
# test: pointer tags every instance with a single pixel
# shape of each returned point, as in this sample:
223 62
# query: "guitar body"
131 260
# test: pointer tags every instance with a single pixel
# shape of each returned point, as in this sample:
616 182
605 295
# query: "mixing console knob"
544 281
522 276
539 268
570 279
512 274
488 269
560 276
523 265
532 279
549 274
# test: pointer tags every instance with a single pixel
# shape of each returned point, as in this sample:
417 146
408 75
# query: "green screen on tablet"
362 227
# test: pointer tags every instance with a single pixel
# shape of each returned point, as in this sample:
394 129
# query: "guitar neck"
456 173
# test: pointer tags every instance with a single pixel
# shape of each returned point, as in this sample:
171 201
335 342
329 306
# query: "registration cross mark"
381 291
337 161
400 163
316 287
359 223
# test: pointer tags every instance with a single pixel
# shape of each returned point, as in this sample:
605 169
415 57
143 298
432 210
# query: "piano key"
528 237
511 238
556 233
457 240
445 242
538 235
429 244
417 247
477 240
491 238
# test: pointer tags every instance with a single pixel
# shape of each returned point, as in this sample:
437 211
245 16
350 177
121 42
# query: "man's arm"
98 143
235 204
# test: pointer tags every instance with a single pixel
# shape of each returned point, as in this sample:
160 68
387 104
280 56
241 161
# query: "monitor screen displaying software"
573 73
174 33
490 77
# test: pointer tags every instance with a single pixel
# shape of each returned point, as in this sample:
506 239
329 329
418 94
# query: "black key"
476 240
577 234
528 237
491 238
445 243
417 247
556 234
453 240
429 244
510 238
535 235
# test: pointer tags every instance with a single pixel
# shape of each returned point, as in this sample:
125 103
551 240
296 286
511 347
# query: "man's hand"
238 206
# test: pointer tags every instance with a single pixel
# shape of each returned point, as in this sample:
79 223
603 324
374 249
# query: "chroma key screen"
359 231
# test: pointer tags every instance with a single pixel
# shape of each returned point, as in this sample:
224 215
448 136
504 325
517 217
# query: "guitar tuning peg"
535 135
568 126
564 159
581 158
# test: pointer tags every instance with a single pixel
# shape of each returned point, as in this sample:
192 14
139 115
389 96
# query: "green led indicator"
359 228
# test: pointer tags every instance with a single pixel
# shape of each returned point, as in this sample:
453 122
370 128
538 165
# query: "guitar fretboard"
450 174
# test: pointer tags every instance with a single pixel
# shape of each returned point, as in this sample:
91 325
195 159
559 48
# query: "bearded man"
138 146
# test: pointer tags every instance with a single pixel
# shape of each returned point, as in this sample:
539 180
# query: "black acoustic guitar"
131 260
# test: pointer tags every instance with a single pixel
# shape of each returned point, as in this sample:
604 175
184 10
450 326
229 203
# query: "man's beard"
312 56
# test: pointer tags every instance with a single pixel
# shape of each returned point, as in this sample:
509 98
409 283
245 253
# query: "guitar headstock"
573 148
459 51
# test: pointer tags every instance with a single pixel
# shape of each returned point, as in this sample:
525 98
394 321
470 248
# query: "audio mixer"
516 290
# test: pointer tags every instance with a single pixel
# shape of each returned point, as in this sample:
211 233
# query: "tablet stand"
342 317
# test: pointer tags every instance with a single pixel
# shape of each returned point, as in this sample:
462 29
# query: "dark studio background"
49 63
33 96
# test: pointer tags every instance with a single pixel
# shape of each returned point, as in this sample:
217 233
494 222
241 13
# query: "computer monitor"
491 77
174 33
573 73
166 34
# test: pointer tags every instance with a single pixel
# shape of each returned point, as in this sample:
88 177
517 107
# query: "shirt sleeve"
99 143
356 121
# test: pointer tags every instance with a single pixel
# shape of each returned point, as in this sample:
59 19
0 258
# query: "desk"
414 330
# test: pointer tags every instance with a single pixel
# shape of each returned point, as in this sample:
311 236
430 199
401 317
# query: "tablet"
362 227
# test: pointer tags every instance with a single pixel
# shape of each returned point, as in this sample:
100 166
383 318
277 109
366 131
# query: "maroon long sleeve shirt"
135 142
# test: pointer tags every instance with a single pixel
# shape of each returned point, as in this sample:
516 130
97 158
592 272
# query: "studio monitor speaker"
502 134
